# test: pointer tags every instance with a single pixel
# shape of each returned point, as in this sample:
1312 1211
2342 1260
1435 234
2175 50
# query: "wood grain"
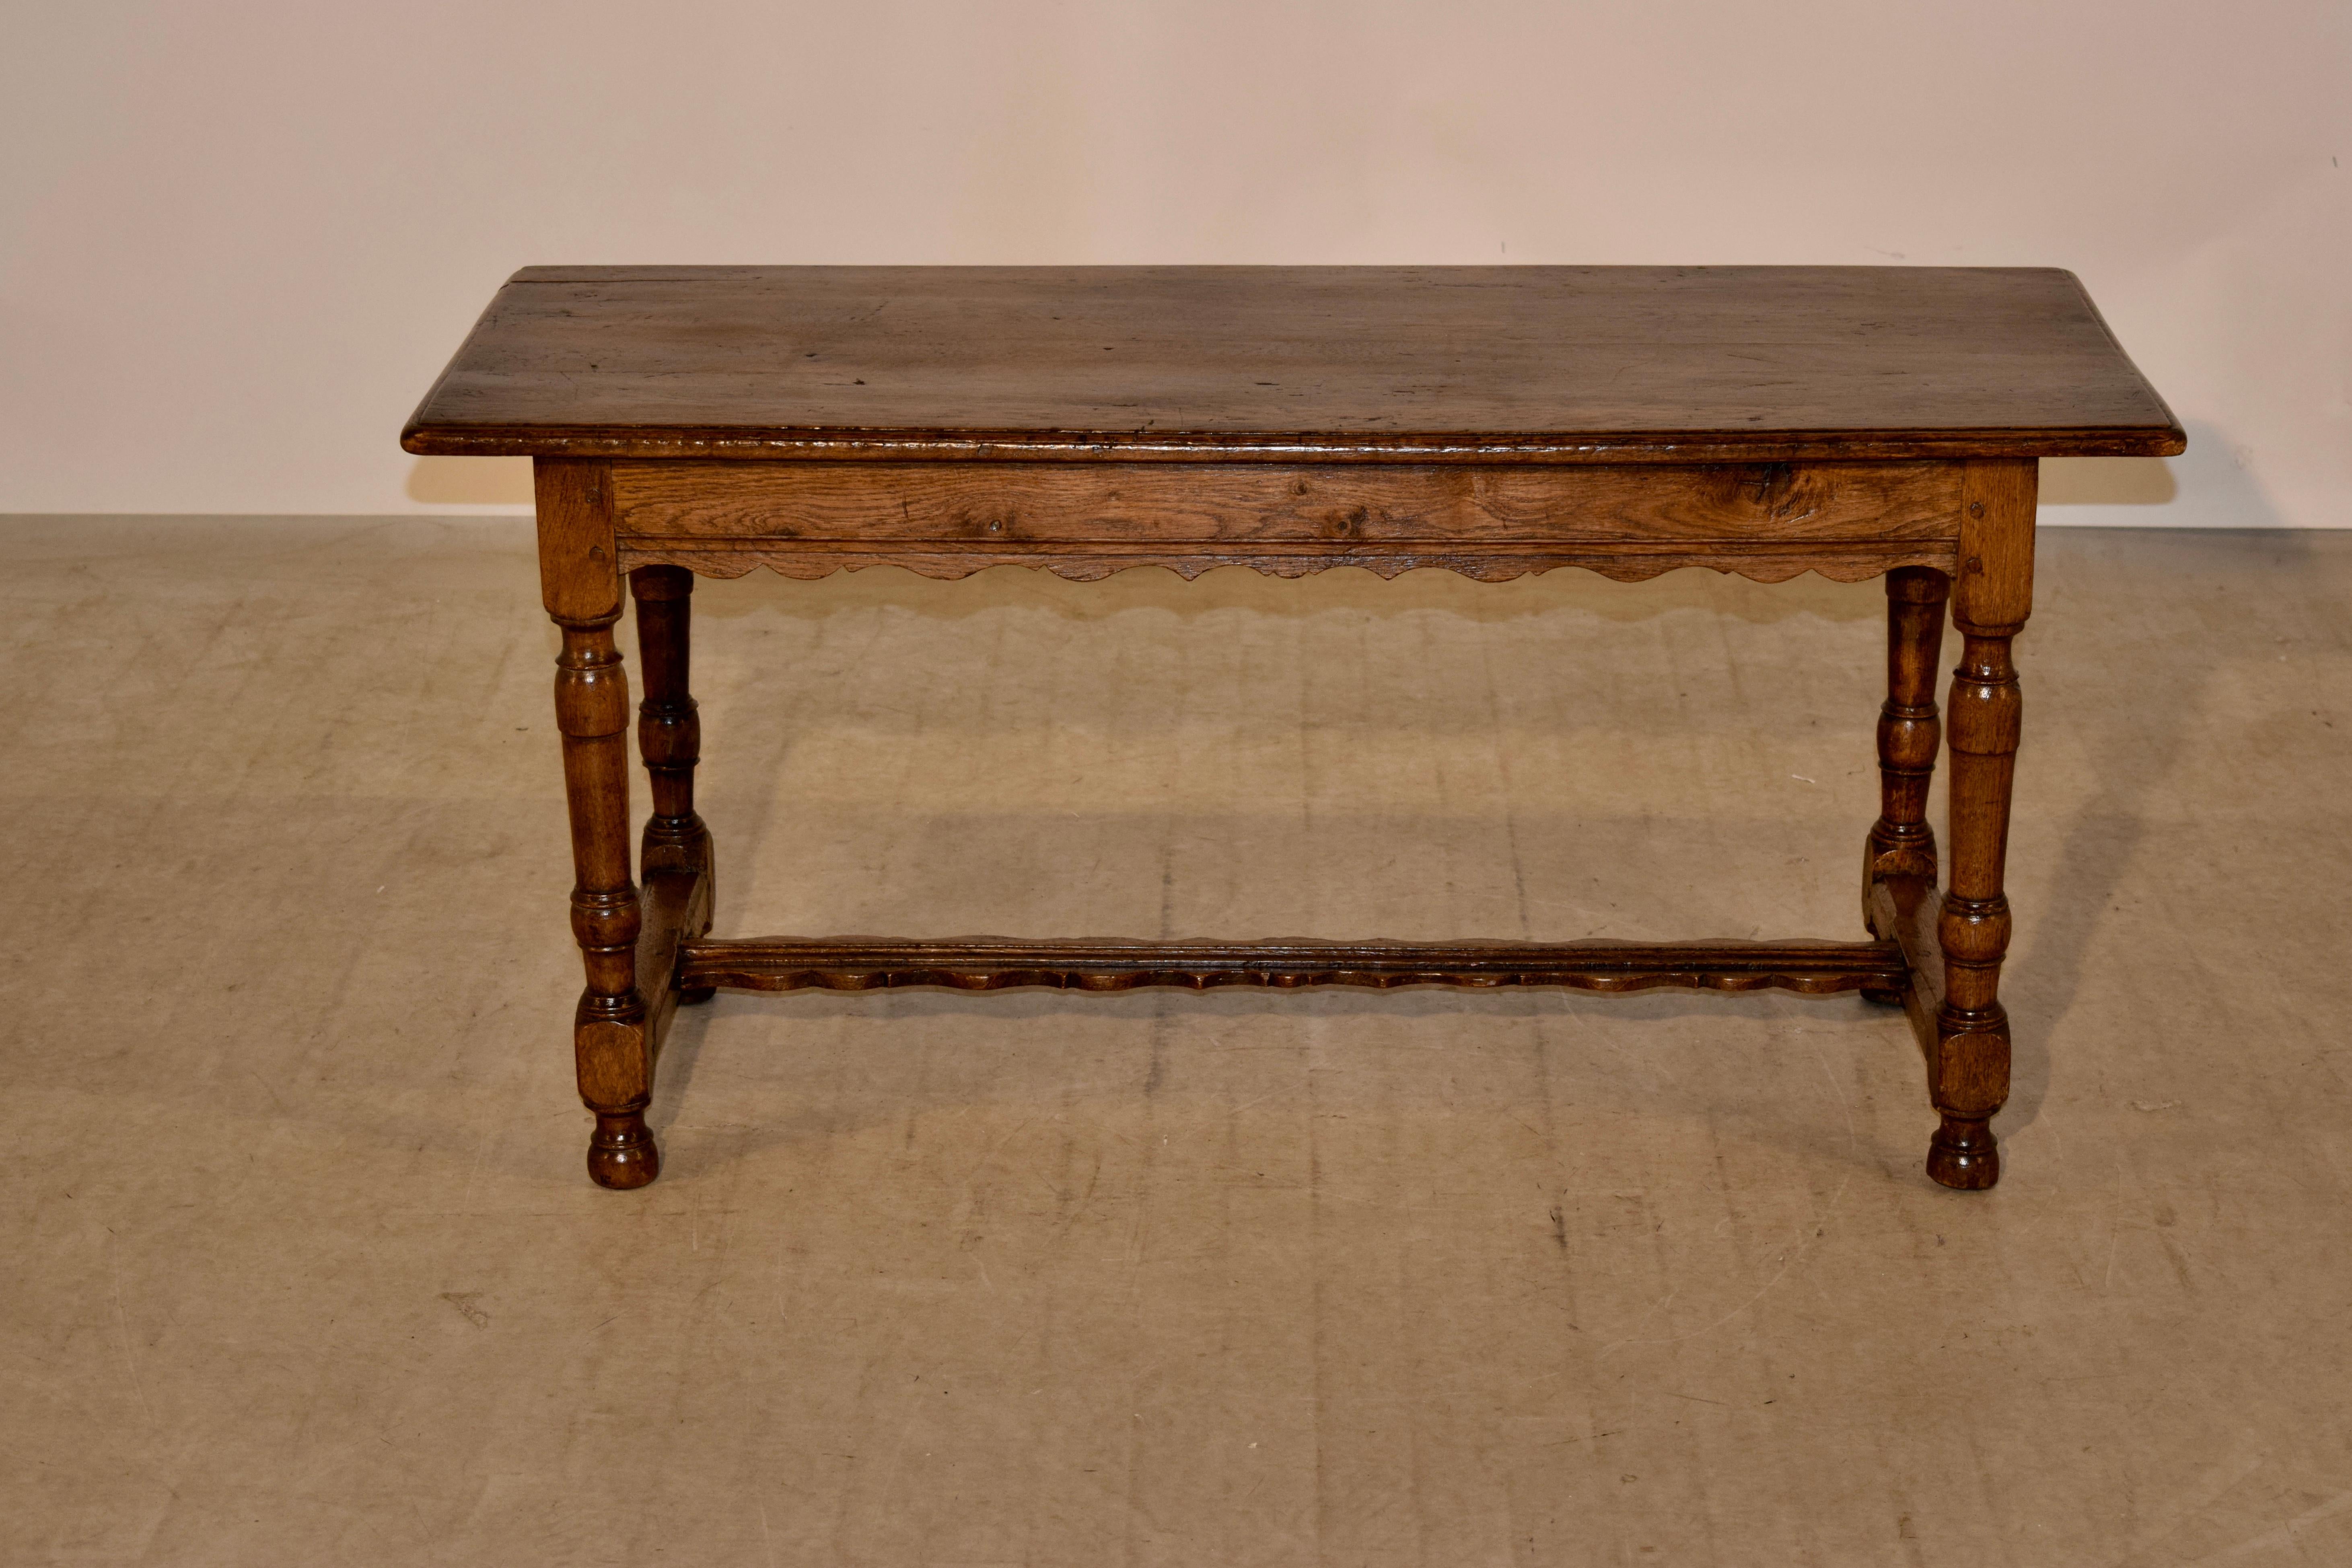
669 741
1901 842
1905 909
579 569
1486 564
1993 594
1850 520
1007 503
1487 421
677 910
991 963
611 1041
1472 365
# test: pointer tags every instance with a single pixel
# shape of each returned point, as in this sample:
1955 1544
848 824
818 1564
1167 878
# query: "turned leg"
669 732
611 1041
609 1035
1969 1076
1901 844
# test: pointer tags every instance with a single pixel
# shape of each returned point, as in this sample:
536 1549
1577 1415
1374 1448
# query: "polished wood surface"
993 964
612 1031
1992 596
1766 421
1901 842
1767 520
1293 363
669 738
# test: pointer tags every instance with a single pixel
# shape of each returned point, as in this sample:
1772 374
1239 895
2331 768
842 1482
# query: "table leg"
611 1036
669 735
1969 1077
1901 842
609 1033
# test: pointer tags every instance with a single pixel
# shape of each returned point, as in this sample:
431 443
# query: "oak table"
1856 421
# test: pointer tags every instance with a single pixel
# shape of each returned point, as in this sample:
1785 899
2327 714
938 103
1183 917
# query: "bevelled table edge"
762 443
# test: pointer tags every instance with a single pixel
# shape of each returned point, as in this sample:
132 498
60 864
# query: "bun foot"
1963 1154
622 1153
694 996
1883 997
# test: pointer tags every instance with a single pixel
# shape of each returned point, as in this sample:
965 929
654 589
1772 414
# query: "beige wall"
236 241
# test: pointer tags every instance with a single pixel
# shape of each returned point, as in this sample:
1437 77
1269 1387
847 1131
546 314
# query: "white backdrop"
238 240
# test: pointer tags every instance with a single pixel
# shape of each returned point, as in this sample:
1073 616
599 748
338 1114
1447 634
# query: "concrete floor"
303 1267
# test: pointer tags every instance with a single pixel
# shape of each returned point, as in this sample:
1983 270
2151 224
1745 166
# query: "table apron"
1769 520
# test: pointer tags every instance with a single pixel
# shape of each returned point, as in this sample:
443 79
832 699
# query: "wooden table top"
1293 363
